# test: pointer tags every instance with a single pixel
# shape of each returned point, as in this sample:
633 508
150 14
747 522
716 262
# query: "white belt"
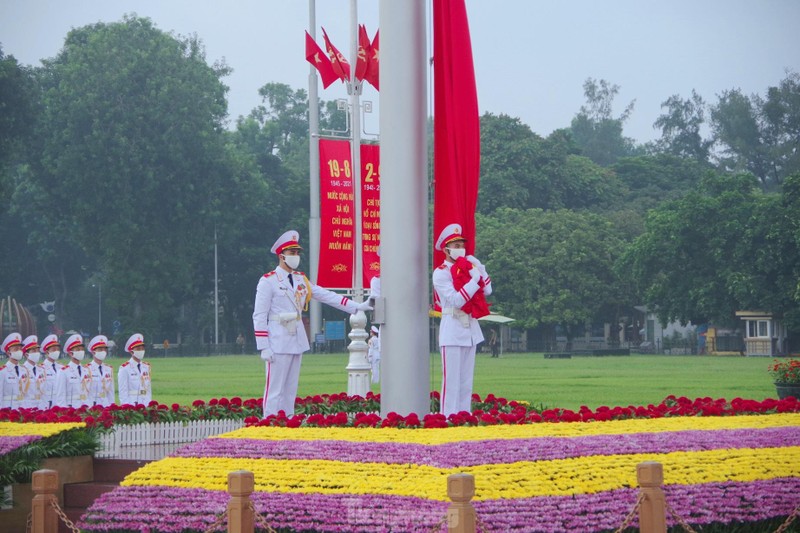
457 313
287 320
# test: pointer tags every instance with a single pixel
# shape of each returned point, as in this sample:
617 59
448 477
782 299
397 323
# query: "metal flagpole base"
358 367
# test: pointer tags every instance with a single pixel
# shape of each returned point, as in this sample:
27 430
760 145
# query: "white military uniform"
73 386
134 382
14 378
459 333
278 326
51 368
102 389
37 376
134 376
374 355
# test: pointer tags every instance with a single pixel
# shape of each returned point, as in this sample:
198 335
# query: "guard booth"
764 335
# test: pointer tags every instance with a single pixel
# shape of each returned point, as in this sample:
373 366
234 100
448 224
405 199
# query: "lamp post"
99 307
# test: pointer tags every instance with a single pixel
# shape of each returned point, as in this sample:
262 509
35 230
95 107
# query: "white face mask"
78 355
33 357
55 354
455 253
16 356
292 261
138 354
100 355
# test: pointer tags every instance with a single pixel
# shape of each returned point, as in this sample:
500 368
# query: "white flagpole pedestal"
358 367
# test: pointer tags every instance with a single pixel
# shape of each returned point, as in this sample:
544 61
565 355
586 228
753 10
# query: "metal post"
652 513
216 292
358 366
99 308
461 517
43 515
405 279
241 518
315 308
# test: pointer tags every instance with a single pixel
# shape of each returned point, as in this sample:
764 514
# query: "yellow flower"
18 429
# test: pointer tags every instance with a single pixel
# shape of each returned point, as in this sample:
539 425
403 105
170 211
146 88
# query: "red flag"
363 52
340 65
371 75
456 124
319 59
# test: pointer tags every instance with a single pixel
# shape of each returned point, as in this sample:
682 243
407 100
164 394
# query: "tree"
680 128
521 170
596 132
551 267
760 135
650 180
721 248
133 163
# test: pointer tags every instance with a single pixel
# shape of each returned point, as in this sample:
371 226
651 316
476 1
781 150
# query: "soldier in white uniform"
281 297
134 374
74 381
459 332
52 350
374 353
30 348
102 389
14 378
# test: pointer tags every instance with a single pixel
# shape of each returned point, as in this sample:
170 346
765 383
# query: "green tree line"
120 173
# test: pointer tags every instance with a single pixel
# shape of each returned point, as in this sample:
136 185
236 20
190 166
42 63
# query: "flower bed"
529 476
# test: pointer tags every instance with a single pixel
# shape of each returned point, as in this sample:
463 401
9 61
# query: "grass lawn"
567 383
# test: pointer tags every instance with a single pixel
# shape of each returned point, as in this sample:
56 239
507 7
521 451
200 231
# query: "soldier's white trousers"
458 365
376 370
280 389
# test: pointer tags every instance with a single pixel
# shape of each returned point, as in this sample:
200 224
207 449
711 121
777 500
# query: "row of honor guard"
29 381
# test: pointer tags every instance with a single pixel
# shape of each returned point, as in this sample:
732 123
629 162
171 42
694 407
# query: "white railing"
162 433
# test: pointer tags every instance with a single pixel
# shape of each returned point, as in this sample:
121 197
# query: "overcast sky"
531 57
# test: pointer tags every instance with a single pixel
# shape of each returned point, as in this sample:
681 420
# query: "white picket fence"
161 434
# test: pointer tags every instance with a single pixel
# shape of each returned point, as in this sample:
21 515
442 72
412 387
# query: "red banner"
336 215
370 210
336 247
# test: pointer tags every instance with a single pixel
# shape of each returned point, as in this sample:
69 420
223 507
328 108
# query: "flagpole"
315 308
358 366
405 374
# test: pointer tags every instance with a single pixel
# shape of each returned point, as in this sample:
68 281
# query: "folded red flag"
477 306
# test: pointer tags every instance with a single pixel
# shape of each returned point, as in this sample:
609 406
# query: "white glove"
267 355
474 260
475 273
364 306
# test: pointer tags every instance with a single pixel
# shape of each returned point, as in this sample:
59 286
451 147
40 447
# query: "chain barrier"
260 519
789 520
438 527
679 519
218 521
63 517
631 515
481 525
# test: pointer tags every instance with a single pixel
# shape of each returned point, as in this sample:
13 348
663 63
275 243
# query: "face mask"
78 355
16 356
54 355
139 354
292 261
33 357
100 355
455 253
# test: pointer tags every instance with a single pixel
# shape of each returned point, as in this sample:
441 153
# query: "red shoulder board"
126 363
268 274
145 363
110 366
442 266
64 367
299 273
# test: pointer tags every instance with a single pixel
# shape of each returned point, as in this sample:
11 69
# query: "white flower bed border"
158 433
